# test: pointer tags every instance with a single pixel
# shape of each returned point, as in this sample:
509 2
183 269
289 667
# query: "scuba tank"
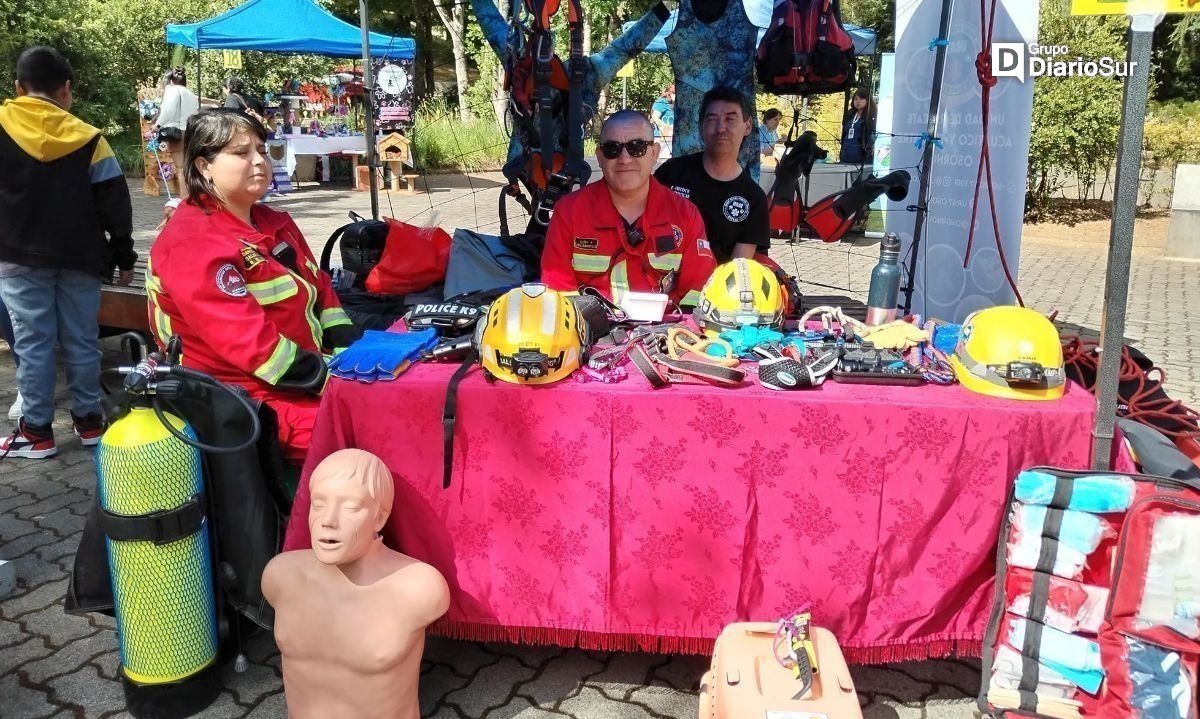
154 514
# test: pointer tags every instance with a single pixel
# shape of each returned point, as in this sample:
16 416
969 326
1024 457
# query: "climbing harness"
551 161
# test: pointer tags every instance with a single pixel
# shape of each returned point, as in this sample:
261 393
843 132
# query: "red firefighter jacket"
587 244
242 314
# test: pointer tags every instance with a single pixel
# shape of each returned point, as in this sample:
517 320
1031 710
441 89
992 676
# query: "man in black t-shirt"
732 204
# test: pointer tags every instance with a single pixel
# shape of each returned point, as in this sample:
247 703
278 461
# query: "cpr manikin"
350 614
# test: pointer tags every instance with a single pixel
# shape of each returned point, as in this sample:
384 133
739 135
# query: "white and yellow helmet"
741 292
532 335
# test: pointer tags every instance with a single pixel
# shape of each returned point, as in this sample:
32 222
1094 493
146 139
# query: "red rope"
983 70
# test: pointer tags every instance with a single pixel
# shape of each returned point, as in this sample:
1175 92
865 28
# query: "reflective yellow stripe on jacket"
273 290
619 281
333 317
160 320
665 263
277 364
581 262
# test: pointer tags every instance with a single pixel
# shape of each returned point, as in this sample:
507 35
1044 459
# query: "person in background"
627 233
732 204
235 280
768 131
6 332
178 104
858 130
65 220
662 117
236 98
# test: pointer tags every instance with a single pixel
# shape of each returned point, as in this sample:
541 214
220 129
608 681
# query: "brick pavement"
55 665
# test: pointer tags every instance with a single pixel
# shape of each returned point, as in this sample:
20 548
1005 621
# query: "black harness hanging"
537 82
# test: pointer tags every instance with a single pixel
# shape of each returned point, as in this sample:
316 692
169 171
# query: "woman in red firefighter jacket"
237 283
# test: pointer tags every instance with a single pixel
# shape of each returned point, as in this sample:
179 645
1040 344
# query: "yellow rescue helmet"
741 292
1011 352
532 335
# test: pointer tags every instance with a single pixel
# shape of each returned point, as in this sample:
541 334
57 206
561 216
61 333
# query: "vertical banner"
882 161
392 96
944 288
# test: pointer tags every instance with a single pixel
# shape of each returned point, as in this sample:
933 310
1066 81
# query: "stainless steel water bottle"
885 282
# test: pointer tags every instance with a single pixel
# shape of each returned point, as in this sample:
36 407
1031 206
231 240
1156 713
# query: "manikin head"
352 495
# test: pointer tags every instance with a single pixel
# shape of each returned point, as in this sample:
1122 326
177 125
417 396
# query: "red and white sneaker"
89 428
29 441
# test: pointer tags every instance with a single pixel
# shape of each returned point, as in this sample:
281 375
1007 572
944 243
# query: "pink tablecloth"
620 517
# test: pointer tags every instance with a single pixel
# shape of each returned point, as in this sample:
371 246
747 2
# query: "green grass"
441 141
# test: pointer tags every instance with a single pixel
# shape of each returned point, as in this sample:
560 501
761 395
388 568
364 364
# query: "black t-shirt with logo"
734 212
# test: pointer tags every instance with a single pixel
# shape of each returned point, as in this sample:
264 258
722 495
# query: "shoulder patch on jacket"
230 281
251 258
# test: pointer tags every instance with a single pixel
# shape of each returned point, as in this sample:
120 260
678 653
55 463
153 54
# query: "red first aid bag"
1126 613
413 258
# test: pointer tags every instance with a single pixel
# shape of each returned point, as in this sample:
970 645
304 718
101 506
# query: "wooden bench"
124 308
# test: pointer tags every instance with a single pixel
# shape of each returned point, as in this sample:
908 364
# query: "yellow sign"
626 71
1133 7
232 59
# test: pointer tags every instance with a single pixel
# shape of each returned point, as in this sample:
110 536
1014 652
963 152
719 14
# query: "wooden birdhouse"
394 152
394 147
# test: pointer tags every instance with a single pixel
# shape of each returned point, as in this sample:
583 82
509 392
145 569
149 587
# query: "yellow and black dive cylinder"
152 511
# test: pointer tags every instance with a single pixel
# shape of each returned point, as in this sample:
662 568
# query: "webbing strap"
1063 488
645 365
543 49
578 68
1038 597
159 527
449 412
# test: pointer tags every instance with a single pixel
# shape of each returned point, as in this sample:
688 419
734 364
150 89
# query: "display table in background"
621 517
322 147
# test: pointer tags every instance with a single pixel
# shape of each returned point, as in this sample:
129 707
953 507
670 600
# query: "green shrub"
442 142
129 155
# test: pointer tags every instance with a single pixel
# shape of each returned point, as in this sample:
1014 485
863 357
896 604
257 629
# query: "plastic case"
746 680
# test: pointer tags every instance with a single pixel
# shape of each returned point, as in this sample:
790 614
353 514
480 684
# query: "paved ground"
54 665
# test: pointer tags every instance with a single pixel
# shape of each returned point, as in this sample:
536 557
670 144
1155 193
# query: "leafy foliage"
1075 119
441 141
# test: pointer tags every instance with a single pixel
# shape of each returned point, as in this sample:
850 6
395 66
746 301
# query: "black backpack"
361 245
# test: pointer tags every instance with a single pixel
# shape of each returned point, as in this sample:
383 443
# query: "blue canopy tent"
290 26
296 26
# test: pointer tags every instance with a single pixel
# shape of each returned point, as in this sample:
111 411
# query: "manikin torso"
351 634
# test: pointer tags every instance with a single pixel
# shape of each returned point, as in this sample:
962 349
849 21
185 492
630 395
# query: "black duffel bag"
361 245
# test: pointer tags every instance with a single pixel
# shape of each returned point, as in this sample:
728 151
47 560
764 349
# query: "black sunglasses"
636 148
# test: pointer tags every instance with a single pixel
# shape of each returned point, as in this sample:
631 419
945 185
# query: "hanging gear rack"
551 162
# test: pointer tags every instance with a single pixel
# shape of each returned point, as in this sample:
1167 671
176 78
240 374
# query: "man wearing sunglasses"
627 233
734 207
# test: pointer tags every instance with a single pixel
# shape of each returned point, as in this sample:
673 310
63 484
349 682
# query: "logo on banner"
1016 59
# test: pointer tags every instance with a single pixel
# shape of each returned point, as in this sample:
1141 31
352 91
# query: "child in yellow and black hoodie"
65 222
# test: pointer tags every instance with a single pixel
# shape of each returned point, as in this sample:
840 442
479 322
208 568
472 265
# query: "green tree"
1075 119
